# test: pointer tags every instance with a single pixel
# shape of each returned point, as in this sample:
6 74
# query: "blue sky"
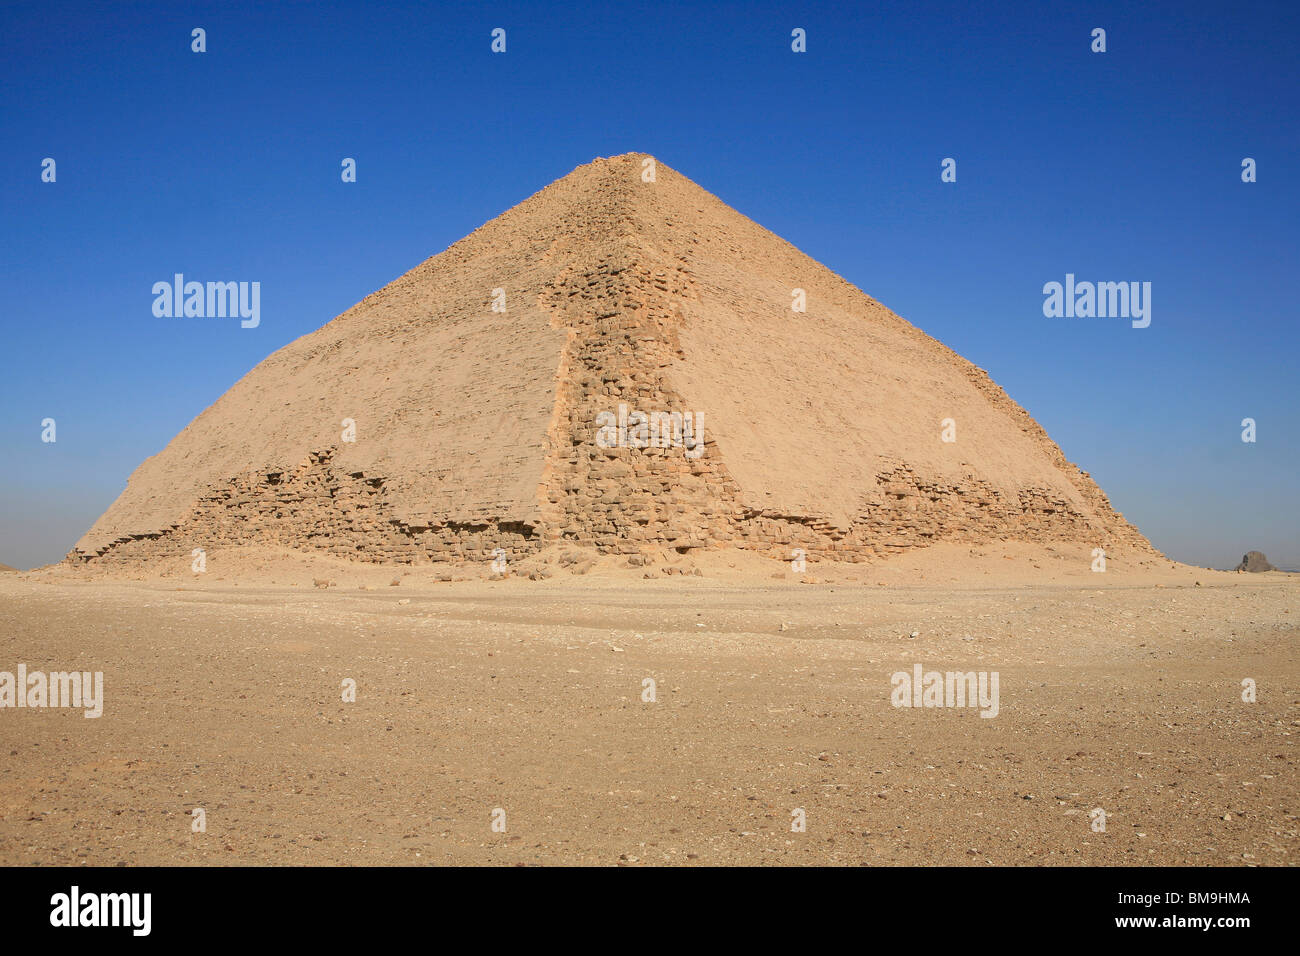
1122 166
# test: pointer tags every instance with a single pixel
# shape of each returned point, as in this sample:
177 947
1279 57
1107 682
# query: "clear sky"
1115 166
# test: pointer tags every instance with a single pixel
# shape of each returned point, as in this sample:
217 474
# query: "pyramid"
477 386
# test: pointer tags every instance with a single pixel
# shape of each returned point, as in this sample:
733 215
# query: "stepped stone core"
479 430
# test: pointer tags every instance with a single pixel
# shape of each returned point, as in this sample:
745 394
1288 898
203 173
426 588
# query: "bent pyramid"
478 429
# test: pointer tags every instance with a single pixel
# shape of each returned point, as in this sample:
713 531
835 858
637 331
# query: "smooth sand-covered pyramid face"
478 429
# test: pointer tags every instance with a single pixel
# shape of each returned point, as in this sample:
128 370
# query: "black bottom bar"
368 905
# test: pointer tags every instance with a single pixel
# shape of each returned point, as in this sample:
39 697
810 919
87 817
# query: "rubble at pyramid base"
317 508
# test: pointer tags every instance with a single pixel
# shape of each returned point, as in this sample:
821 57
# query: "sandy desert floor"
1120 691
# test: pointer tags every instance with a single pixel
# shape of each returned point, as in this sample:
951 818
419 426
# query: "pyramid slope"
477 429
451 400
812 407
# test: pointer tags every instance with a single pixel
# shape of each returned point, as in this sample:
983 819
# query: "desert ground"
1119 691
